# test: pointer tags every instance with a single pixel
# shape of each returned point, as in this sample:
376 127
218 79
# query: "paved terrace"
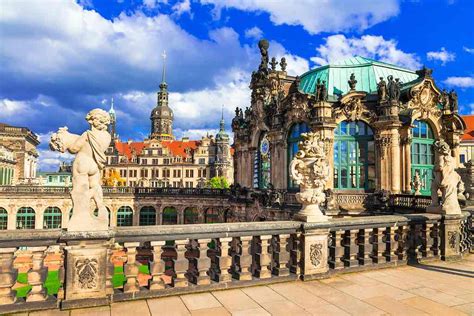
432 288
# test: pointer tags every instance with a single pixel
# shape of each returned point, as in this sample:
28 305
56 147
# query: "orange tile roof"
178 148
469 133
127 149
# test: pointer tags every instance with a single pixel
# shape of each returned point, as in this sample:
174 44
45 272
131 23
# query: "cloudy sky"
59 59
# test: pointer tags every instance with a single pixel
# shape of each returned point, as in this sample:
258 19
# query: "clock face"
264 147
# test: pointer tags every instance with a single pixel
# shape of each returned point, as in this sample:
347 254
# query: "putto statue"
86 178
446 181
310 169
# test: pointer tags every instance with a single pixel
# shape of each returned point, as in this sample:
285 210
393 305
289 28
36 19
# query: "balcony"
60 269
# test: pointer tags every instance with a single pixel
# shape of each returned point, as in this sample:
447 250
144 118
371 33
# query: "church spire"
162 97
163 73
222 135
222 127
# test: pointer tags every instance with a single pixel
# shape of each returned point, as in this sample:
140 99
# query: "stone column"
86 273
7 276
395 161
407 165
450 237
314 250
12 218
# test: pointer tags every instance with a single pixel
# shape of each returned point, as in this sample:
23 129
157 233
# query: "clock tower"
162 115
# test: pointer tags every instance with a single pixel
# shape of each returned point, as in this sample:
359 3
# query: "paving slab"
200 301
438 296
394 307
327 309
298 295
130 308
284 308
172 306
49 312
94 311
251 312
263 294
235 300
466 308
215 311
351 304
431 307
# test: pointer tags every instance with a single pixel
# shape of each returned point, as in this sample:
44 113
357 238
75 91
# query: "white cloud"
10 108
461 82
254 32
443 55
338 47
152 4
317 16
182 7
49 160
469 50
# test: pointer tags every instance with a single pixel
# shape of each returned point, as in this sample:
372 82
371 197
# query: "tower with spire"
113 121
162 116
222 161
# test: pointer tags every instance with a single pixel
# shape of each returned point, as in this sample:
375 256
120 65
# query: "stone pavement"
435 288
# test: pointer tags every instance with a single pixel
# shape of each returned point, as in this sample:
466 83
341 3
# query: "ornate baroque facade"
22 143
378 122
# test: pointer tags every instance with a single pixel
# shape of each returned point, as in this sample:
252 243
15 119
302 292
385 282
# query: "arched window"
52 218
262 164
354 156
3 219
191 215
170 216
211 216
294 138
422 155
25 218
125 216
147 216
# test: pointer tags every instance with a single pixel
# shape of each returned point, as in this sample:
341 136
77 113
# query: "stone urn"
310 169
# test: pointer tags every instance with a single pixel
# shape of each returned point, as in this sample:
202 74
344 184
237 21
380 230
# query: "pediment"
424 98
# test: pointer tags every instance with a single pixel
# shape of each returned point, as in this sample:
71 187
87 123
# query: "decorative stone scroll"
90 159
309 168
446 181
316 254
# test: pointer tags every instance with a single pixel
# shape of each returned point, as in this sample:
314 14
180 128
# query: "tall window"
3 219
25 218
422 156
147 216
125 216
262 164
211 216
52 218
354 156
191 215
170 216
294 137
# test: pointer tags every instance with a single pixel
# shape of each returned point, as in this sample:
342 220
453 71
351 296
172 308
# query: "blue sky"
59 59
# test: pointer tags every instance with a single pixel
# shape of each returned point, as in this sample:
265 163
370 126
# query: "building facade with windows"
22 142
60 178
378 122
161 160
466 150
7 166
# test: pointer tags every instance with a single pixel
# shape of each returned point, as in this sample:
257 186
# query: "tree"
218 183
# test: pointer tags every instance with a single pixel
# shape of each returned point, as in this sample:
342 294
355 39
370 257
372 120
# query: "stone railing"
116 190
93 269
409 202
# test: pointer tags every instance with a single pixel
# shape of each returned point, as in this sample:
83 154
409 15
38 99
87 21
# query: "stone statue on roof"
352 82
90 159
382 90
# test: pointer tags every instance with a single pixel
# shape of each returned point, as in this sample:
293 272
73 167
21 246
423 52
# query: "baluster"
390 246
429 240
223 260
131 268
351 248
436 240
402 237
418 241
294 254
7 276
203 263
365 248
378 245
264 257
61 274
338 250
157 266
181 264
37 275
243 258
109 270
281 255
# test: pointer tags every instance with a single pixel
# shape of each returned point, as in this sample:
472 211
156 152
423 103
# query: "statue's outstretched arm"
77 144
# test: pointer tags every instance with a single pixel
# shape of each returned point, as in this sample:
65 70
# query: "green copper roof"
366 71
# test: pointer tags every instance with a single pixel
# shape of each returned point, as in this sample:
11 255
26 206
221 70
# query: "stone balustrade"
166 260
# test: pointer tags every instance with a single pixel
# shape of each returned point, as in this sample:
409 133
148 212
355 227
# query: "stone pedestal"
86 273
450 237
314 248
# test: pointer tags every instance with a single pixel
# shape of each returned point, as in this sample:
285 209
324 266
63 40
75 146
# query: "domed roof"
162 112
367 73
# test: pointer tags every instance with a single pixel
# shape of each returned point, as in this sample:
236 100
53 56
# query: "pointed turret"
113 121
222 135
162 115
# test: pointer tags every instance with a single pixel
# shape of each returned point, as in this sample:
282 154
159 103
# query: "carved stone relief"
87 270
316 254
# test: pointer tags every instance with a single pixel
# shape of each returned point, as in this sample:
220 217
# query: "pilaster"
314 250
